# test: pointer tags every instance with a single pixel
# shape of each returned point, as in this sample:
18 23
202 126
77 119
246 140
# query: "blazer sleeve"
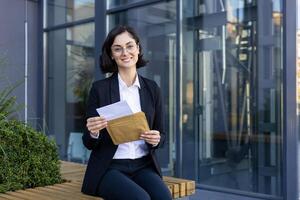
88 141
158 121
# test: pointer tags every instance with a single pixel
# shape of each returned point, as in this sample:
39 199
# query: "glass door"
156 25
233 57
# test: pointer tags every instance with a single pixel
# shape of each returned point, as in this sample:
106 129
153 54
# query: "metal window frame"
178 102
178 74
100 25
290 127
69 24
41 107
42 59
125 7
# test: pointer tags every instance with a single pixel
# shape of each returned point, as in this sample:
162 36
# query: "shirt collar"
123 84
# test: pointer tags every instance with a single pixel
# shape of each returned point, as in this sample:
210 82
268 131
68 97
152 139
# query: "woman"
130 170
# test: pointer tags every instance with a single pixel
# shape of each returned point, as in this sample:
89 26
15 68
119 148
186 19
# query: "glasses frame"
122 49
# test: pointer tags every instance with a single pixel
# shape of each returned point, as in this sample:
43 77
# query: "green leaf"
28 158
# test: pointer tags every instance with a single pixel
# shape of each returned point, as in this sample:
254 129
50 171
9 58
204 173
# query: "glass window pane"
233 81
70 74
115 3
156 27
64 11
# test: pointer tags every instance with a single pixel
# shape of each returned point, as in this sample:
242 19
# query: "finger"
97 127
97 130
91 125
150 139
95 119
152 132
95 122
150 136
92 119
153 142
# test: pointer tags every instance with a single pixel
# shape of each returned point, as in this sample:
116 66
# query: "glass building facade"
222 66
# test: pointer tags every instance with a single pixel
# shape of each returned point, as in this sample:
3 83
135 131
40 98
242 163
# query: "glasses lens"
131 48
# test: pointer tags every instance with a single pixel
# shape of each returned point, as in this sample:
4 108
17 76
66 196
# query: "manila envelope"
127 128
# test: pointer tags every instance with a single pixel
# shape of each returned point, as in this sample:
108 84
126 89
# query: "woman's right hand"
96 124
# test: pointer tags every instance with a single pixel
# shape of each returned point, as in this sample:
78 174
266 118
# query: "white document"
115 110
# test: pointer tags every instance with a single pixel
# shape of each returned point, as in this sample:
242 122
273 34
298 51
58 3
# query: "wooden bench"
73 174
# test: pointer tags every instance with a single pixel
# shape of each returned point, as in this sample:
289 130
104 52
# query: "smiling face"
125 51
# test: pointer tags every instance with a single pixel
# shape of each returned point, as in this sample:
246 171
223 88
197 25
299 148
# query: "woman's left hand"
151 137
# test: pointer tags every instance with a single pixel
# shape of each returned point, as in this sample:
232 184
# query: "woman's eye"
129 46
117 49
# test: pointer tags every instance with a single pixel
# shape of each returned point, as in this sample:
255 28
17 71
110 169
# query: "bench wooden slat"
16 195
174 189
40 194
32 194
182 185
190 185
7 196
71 189
75 194
46 194
2 197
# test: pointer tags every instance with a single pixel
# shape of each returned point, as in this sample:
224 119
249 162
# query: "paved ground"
212 195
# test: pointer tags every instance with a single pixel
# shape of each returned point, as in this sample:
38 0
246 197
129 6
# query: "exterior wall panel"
12 48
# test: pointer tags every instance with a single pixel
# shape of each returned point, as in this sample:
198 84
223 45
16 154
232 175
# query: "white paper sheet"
115 110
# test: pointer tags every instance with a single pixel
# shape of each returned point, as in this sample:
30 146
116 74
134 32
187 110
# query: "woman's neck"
128 76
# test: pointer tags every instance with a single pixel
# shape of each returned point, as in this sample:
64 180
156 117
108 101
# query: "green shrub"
8 105
27 157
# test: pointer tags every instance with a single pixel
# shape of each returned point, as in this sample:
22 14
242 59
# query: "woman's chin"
127 66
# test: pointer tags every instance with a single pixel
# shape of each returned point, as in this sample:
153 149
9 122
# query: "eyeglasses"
118 50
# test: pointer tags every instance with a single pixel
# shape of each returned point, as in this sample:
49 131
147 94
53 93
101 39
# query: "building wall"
12 48
160 40
220 77
298 70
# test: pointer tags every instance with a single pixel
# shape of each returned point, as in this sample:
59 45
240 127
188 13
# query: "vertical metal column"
42 89
265 83
100 33
26 63
291 134
43 61
178 101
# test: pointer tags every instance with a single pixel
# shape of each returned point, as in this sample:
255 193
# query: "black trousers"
133 179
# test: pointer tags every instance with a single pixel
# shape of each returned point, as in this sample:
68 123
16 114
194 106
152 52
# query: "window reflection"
235 72
115 3
71 72
156 27
63 11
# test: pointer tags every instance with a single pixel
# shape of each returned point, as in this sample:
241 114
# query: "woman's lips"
126 59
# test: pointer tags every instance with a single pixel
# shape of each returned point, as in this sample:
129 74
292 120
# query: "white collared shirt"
135 149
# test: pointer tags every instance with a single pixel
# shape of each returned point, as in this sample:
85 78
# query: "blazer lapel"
144 98
114 89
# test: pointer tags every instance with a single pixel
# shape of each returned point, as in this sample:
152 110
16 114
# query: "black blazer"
106 92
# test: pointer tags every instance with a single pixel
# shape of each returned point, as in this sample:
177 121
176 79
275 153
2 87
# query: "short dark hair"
107 64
